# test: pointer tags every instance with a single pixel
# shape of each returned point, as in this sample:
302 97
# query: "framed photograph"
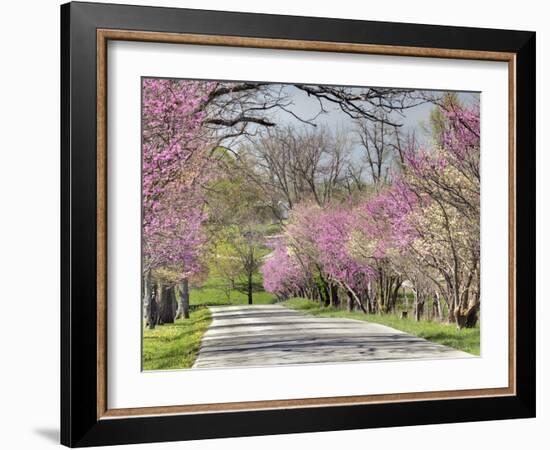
277 224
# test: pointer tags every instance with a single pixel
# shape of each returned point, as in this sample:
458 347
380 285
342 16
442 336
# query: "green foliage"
175 346
233 257
234 199
466 339
273 229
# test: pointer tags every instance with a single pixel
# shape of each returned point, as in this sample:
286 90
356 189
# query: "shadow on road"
260 335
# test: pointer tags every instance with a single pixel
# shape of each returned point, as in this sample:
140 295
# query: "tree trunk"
415 300
183 305
320 296
334 300
466 312
323 290
174 302
149 302
389 287
395 292
365 299
249 290
382 293
167 304
353 296
466 318
159 289
460 319
418 306
472 318
146 296
451 306
351 302
371 293
436 306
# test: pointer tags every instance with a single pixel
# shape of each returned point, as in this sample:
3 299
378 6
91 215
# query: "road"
263 335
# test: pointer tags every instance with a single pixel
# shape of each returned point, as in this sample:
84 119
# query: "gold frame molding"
104 35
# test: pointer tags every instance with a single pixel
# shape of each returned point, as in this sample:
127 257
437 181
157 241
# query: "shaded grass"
215 291
466 340
175 345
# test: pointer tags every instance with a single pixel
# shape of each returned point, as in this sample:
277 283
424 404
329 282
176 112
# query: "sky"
308 107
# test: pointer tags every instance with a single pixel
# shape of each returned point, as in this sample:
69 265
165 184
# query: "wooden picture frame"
85 416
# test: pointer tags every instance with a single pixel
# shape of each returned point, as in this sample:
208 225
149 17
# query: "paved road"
261 335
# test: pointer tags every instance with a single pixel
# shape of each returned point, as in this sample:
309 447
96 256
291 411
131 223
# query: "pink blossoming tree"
173 175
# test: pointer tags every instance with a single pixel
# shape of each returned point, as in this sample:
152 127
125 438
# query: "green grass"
216 291
175 346
466 340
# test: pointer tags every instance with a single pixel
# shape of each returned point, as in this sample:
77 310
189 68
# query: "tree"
282 273
236 111
238 216
381 143
318 237
381 236
372 104
246 242
173 162
290 165
334 233
447 182
226 264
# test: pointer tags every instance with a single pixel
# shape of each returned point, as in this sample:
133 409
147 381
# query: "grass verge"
466 339
175 345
